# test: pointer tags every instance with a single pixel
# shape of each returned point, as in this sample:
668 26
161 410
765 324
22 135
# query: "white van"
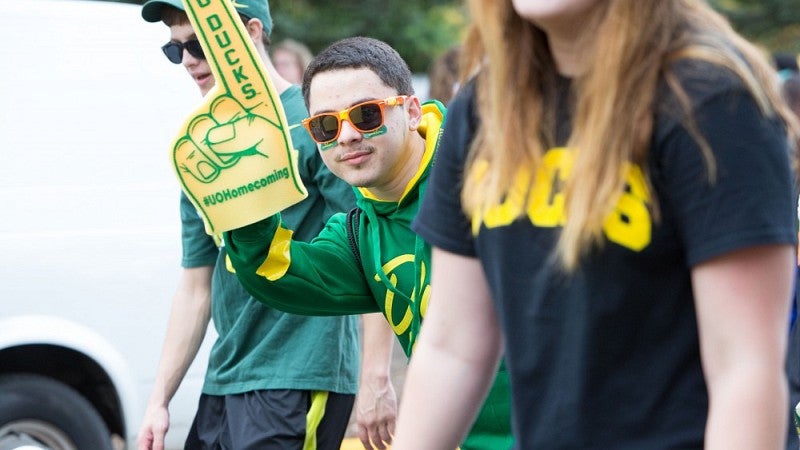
89 228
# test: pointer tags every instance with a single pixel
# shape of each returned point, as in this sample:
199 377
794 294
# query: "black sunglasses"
174 50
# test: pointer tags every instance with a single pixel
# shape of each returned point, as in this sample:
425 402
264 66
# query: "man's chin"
352 176
358 182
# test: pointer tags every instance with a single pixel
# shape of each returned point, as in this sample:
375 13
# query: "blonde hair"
621 82
301 53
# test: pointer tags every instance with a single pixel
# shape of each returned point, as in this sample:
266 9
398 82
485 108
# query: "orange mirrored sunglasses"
365 117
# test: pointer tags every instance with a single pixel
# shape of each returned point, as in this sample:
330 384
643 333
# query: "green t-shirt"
259 347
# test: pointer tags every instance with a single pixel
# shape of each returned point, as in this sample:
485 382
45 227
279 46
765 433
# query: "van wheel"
43 413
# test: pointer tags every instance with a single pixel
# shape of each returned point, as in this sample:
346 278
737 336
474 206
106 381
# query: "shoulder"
464 103
704 76
693 83
335 231
462 118
694 91
293 104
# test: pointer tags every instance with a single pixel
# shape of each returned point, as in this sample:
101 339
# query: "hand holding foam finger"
194 162
244 133
234 155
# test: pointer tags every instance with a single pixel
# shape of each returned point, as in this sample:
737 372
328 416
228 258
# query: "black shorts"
271 420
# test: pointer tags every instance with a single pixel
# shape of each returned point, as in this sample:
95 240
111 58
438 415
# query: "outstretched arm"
742 301
317 278
455 358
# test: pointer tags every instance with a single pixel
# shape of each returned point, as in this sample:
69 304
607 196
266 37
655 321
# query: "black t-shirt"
608 356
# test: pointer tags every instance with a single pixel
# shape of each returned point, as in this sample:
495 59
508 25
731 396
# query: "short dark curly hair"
362 52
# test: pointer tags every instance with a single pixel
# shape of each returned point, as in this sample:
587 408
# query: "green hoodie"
323 277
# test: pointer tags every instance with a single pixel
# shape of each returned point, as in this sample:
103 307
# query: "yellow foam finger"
234 155
194 161
224 109
197 131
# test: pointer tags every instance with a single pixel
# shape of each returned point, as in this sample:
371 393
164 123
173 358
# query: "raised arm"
455 358
320 278
742 301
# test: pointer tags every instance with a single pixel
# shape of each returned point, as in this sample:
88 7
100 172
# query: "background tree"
419 30
775 24
423 29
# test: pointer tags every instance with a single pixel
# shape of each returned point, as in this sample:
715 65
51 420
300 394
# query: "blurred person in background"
790 86
786 64
443 75
291 59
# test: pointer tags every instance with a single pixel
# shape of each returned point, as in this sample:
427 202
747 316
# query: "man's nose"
349 133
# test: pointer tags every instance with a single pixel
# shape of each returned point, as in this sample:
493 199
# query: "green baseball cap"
256 9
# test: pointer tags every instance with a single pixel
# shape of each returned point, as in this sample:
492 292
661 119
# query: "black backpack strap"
352 232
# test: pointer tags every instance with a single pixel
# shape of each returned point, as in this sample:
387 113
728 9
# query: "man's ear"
255 29
414 112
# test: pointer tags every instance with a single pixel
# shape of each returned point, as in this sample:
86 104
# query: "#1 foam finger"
243 188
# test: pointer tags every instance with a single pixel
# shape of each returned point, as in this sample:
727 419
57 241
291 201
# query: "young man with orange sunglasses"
373 132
